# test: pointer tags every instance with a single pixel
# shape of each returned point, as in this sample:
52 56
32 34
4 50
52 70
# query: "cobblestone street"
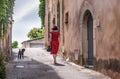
38 64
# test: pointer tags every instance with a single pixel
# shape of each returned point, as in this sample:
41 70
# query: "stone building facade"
6 40
89 32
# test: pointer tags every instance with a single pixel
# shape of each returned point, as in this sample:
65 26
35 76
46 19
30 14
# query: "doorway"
87 39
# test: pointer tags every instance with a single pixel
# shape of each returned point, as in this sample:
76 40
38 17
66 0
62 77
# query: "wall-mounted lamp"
97 23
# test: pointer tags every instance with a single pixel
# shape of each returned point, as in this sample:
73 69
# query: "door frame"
86 6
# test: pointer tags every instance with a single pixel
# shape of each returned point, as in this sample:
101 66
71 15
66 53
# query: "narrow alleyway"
38 64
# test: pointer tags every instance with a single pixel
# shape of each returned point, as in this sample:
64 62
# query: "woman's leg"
54 57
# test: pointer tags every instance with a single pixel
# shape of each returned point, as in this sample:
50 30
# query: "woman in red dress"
54 42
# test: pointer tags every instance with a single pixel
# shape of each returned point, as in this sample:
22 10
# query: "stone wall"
106 31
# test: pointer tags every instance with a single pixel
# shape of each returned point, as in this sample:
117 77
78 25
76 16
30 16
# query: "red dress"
54 42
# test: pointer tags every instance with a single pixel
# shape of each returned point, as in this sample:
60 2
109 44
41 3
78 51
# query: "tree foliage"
6 11
15 44
42 11
10 8
2 66
36 32
6 8
3 9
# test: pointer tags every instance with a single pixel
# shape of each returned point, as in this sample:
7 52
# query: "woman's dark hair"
55 28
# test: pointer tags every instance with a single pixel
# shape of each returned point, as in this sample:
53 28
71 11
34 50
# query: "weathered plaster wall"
108 35
72 29
50 13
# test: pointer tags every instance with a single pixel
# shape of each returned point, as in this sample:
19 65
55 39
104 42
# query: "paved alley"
38 64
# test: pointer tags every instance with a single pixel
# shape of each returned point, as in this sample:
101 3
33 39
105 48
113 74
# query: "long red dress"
54 42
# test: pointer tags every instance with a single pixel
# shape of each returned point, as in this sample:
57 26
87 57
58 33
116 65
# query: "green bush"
2 67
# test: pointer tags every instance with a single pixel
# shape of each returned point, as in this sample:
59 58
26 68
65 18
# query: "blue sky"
25 18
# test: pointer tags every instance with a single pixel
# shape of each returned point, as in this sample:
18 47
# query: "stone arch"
87 33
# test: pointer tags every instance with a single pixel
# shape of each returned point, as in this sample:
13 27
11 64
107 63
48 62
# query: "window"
66 18
53 21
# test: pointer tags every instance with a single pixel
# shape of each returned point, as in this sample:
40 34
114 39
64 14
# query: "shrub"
2 67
